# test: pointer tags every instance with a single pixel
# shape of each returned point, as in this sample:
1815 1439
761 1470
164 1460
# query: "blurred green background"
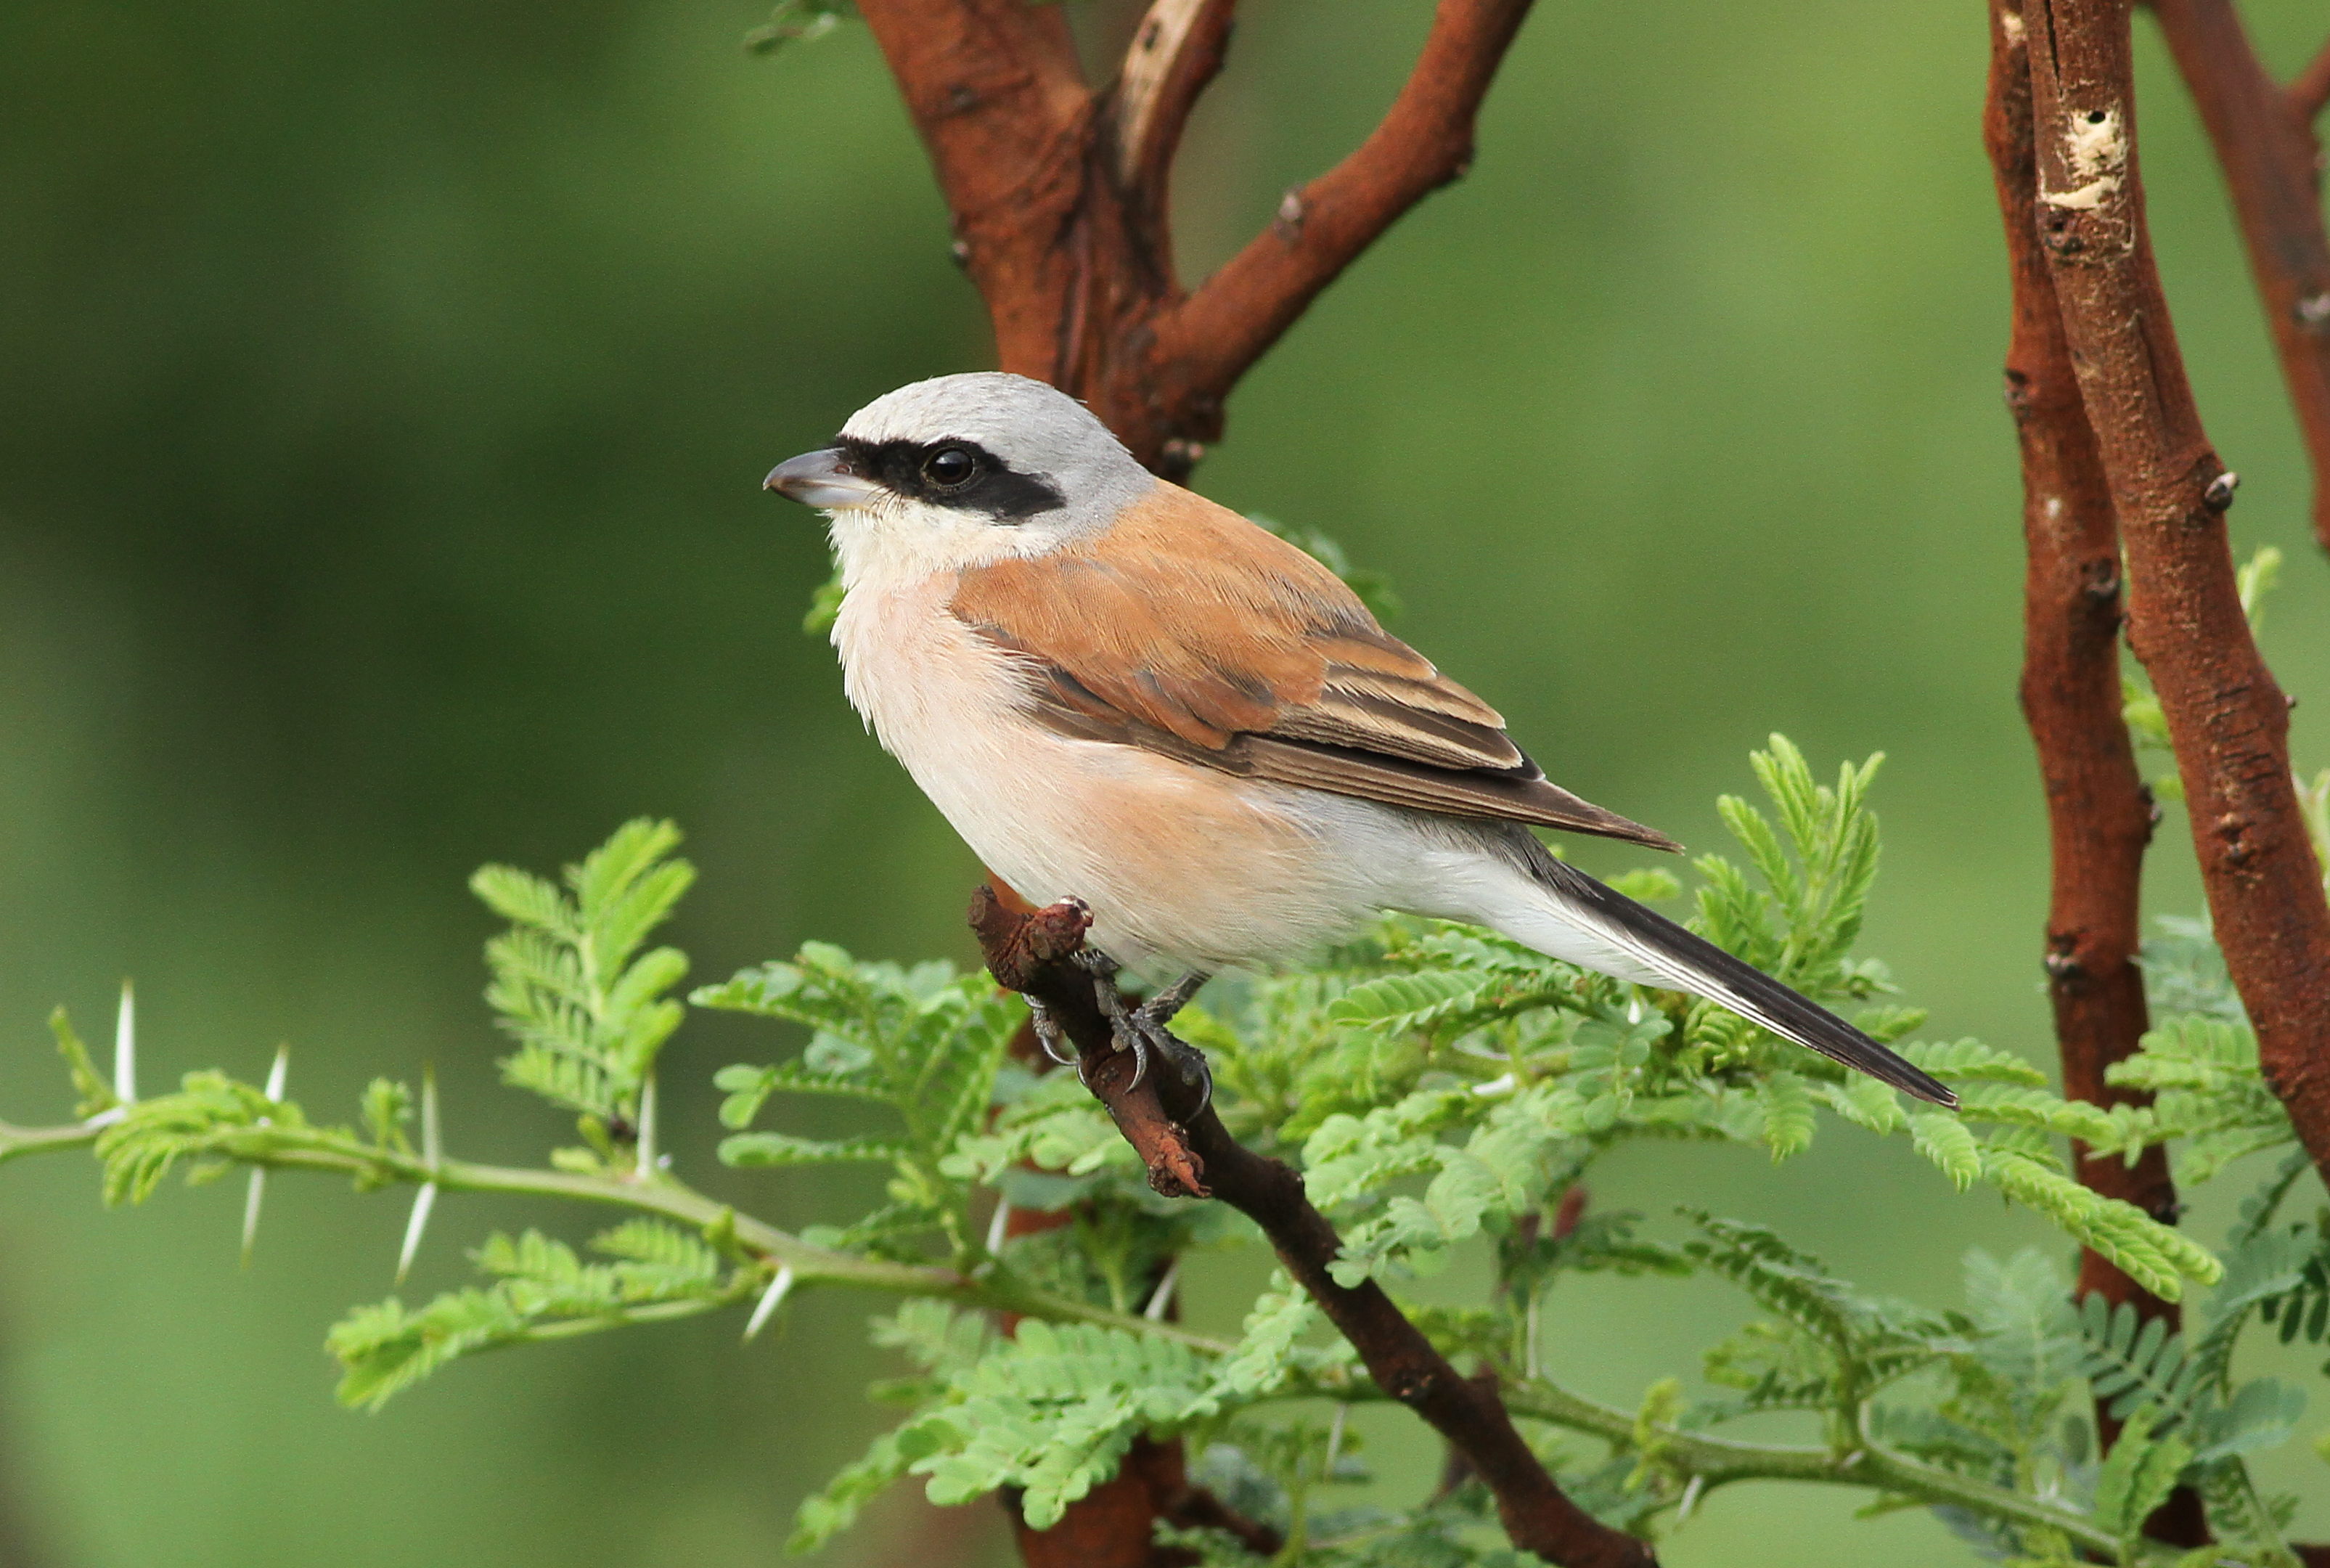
384 396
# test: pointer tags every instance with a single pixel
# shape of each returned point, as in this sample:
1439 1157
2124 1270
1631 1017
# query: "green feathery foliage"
1445 1093
572 987
925 1041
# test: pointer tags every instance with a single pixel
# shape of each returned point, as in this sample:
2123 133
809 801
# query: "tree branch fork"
1060 194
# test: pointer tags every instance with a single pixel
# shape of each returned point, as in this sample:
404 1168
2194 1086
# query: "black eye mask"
920 471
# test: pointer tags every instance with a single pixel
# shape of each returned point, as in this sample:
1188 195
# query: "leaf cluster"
925 1043
572 986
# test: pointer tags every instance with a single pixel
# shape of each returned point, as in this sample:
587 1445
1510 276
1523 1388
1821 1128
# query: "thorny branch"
2227 719
1717 1462
1191 1155
2099 816
2265 141
1060 196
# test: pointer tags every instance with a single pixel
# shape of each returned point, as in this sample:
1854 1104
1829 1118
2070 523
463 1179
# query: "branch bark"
1060 196
1189 1154
2099 816
2265 142
2228 718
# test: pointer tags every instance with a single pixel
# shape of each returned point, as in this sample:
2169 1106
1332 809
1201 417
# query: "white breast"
1180 863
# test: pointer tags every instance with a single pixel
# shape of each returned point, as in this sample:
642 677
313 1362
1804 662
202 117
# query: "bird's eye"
949 466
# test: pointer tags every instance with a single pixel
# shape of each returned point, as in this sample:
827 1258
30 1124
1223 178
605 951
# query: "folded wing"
1186 629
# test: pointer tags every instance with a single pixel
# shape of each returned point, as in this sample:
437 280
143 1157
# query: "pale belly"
1183 867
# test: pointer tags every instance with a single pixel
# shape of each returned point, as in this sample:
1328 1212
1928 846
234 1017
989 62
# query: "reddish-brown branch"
1178 49
2099 815
1422 143
2263 138
994 88
2226 715
1114 1524
1025 953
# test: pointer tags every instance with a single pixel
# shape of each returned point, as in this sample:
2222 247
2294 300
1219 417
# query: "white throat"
896 542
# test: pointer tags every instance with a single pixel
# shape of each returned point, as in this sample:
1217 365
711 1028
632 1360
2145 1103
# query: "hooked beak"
820 479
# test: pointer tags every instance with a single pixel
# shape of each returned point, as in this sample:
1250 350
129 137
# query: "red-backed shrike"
1120 692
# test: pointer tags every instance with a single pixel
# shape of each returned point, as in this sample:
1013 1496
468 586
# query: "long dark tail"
1688 962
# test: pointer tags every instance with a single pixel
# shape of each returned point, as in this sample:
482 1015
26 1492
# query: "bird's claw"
1141 1029
1052 1040
1186 1060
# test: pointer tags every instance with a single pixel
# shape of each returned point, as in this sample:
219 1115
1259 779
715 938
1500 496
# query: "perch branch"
2100 815
2227 717
1193 1156
2263 138
1207 341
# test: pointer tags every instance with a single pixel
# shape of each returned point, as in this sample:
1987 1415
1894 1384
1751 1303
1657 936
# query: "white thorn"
1690 1496
431 1154
422 1201
432 1149
1334 1442
997 1226
770 1299
125 1048
257 1191
644 1151
250 1201
1162 1297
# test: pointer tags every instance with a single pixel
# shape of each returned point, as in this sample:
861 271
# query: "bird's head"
963 469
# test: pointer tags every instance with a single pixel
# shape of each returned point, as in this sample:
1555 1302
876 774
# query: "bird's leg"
1152 1017
1048 1034
1126 1033
1162 1008
1139 1029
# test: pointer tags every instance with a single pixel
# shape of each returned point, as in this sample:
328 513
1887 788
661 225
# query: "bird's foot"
1141 1030
1149 1020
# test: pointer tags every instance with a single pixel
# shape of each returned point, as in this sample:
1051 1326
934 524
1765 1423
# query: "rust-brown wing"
1187 629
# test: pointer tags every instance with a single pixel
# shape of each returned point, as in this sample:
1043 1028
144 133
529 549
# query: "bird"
1122 693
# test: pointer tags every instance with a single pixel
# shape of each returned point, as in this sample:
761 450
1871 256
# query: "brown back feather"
1187 629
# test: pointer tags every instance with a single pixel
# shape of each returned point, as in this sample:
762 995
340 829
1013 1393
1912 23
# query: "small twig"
1024 952
2311 89
1175 52
2264 139
1424 142
2226 715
